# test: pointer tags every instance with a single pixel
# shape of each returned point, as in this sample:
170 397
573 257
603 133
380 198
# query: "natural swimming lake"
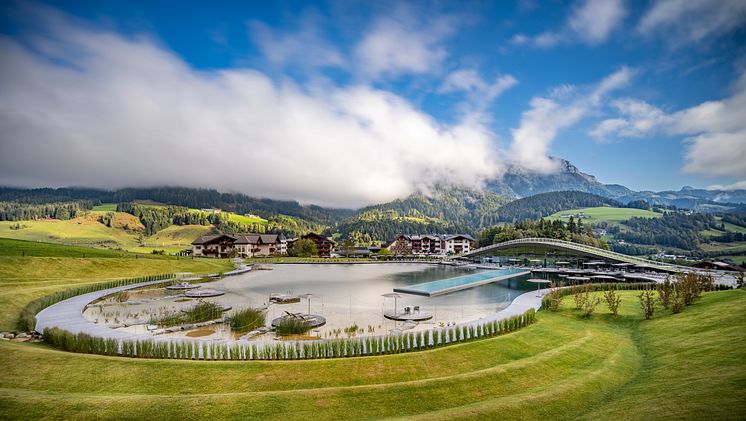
344 294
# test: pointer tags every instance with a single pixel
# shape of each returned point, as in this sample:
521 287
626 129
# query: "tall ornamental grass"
292 326
247 320
332 348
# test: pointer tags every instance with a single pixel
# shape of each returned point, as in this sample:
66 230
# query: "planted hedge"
292 350
27 320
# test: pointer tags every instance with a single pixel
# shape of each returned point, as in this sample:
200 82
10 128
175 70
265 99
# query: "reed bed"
290 350
201 312
246 320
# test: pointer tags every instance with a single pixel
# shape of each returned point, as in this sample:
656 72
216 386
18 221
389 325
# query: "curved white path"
68 315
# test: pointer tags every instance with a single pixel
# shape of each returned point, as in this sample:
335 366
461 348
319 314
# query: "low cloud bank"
92 108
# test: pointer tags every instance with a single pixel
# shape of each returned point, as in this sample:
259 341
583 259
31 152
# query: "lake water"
344 294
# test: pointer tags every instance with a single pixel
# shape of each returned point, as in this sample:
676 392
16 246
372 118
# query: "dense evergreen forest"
739 220
381 226
569 231
156 218
673 229
443 210
18 211
545 204
180 196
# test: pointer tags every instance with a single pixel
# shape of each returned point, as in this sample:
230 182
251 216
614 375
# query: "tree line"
571 230
179 196
156 218
673 229
18 211
545 204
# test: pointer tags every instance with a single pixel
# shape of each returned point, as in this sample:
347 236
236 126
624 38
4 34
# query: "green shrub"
246 320
647 302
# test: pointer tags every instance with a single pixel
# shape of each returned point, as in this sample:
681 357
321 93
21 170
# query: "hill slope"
562 367
518 182
443 210
545 204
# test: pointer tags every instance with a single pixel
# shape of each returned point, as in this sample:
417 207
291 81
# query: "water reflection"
344 294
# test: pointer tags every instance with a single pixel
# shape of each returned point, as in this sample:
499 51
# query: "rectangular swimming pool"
445 286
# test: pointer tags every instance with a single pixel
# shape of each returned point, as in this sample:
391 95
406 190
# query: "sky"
347 103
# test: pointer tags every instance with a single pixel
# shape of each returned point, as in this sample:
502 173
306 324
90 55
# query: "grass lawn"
737 259
106 207
19 248
246 220
23 279
732 247
684 366
82 231
124 233
174 237
605 213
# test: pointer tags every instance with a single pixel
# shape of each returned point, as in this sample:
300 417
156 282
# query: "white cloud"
547 116
594 20
520 39
590 22
96 109
480 92
305 47
735 186
403 44
680 21
640 119
716 130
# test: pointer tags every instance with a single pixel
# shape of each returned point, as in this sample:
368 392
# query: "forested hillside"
180 196
569 231
18 211
545 204
444 210
156 218
673 229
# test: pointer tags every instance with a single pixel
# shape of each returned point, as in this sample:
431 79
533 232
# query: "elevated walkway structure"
581 249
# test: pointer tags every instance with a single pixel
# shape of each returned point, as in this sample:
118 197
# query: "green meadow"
47 268
675 366
605 213
87 231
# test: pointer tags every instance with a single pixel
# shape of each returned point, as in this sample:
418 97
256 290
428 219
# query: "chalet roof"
249 238
419 237
454 236
312 235
206 239
244 238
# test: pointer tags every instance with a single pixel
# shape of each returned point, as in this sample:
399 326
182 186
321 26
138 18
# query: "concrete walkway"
68 314
521 304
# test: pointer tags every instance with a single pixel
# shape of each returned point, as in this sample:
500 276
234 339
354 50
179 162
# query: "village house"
240 245
430 245
324 245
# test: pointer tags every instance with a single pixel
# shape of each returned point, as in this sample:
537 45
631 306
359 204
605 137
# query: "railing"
577 247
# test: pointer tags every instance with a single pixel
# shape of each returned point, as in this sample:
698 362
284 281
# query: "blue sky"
305 97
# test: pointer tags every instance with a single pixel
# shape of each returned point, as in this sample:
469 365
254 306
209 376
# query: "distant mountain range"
518 183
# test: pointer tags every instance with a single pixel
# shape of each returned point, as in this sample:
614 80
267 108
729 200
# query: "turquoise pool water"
453 284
